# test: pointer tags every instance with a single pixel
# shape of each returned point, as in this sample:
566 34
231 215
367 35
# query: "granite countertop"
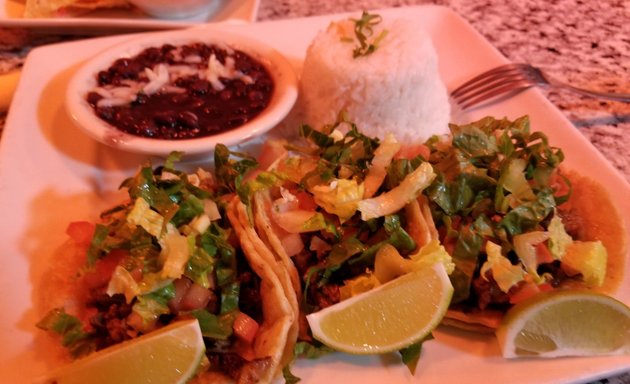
584 42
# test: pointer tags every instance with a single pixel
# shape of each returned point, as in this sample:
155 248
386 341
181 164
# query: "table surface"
584 42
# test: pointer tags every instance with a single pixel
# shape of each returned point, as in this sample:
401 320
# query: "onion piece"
396 198
294 221
292 243
378 169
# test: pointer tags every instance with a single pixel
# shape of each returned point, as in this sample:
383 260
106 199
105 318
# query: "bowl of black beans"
181 91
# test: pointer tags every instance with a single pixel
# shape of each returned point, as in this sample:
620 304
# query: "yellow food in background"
67 8
8 83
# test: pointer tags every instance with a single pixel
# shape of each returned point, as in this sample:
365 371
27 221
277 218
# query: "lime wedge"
169 355
565 323
387 318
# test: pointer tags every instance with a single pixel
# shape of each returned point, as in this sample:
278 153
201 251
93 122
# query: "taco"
327 208
178 249
516 222
250 241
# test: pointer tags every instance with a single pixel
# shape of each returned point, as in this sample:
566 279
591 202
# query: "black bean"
199 87
226 94
93 98
188 119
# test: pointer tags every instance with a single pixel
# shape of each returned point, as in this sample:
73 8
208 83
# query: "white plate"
108 21
50 174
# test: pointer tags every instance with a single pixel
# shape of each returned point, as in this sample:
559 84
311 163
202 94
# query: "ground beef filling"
193 103
110 322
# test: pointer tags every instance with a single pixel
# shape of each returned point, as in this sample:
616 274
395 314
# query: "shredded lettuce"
311 351
395 199
559 239
175 254
411 354
503 272
122 282
213 326
340 197
525 248
141 214
74 337
230 172
152 305
432 253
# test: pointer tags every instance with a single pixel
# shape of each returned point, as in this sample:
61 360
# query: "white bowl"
84 80
173 9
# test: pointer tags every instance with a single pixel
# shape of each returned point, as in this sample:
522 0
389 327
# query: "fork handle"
625 97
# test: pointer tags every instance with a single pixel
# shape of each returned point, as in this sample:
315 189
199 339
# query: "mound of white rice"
395 89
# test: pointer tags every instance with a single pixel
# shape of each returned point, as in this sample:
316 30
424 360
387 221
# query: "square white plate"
51 174
108 20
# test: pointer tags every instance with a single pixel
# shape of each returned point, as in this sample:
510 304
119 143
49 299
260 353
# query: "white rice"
395 89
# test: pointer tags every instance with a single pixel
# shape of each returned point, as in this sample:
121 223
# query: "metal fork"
509 79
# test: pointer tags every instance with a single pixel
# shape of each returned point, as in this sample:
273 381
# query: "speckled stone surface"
584 42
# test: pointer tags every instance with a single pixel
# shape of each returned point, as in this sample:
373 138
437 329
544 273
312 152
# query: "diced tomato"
307 202
528 290
245 328
543 254
103 269
181 287
81 232
413 150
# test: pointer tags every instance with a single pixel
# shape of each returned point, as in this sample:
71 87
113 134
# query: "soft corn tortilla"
278 332
274 254
598 219
53 8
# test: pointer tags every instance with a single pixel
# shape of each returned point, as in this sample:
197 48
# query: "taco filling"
170 253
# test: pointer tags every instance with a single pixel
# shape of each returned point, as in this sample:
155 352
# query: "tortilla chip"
273 337
66 8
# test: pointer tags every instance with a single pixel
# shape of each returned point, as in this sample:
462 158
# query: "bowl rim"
84 79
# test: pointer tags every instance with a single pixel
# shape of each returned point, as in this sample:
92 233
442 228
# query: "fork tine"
488 84
506 69
491 93
491 84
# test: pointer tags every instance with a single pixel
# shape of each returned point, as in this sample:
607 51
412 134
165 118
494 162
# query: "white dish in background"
85 80
169 9
120 20
51 174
